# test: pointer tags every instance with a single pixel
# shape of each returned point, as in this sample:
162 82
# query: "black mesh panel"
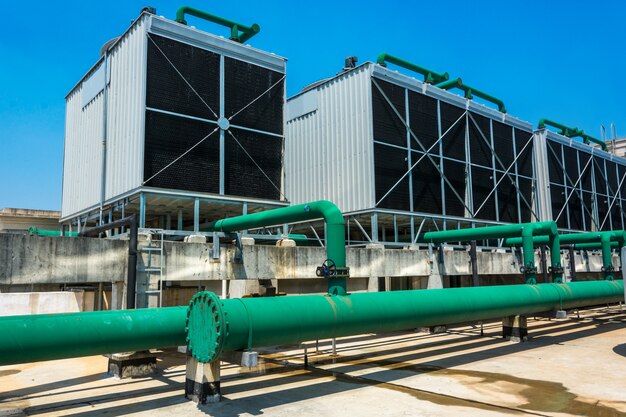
455 174
603 209
554 162
388 127
167 90
480 150
423 121
571 164
598 172
585 172
390 165
507 200
454 141
503 143
526 190
482 186
244 83
426 186
575 211
242 176
525 159
167 138
558 203
588 210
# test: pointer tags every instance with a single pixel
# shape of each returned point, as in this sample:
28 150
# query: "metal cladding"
169 107
248 322
403 147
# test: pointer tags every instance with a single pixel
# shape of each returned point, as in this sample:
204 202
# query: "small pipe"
470 92
571 132
34 231
238 32
131 277
335 232
430 77
474 261
524 231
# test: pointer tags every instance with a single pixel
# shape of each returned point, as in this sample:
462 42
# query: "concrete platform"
571 367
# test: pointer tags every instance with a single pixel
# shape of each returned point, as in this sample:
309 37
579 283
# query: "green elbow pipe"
588 139
253 322
430 77
524 232
239 33
335 232
34 231
470 92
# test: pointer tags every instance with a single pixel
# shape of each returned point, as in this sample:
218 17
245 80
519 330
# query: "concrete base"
561 315
515 329
433 329
202 381
132 364
241 358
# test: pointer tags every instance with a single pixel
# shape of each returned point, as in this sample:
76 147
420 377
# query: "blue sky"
562 60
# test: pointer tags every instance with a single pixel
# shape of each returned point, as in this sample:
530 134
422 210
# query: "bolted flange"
205 327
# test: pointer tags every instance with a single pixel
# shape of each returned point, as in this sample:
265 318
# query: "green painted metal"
592 246
603 239
571 132
238 32
34 231
450 84
215 326
470 92
525 232
43 337
335 231
430 77
254 322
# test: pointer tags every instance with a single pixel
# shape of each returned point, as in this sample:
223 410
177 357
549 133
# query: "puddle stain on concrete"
539 396
8 372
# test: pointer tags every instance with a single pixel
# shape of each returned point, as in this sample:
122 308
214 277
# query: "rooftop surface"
570 367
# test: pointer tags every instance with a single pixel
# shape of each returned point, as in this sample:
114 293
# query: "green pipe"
592 246
216 326
604 239
525 232
335 232
450 84
238 32
470 92
41 337
571 132
430 77
34 231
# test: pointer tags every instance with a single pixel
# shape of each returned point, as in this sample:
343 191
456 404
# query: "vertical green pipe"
335 232
607 258
528 249
555 259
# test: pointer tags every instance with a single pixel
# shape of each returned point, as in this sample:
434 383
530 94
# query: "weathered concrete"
32 260
54 302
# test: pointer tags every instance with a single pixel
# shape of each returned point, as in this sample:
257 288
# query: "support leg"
515 328
202 382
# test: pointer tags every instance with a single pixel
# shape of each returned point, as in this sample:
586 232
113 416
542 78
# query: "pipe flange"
205 327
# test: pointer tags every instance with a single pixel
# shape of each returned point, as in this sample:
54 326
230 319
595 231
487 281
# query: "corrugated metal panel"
125 116
83 153
328 151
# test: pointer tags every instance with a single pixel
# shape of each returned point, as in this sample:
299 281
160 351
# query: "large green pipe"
592 246
335 232
571 132
44 337
238 32
217 326
430 77
604 239
34 231
525 232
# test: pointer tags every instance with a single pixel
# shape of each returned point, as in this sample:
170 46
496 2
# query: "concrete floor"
572 367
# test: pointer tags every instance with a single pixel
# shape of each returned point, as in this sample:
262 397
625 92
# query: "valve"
330 270
327 270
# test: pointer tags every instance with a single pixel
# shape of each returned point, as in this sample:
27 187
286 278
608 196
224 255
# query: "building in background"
15 220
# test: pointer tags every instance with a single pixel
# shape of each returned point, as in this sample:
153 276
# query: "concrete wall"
28 263
14 304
